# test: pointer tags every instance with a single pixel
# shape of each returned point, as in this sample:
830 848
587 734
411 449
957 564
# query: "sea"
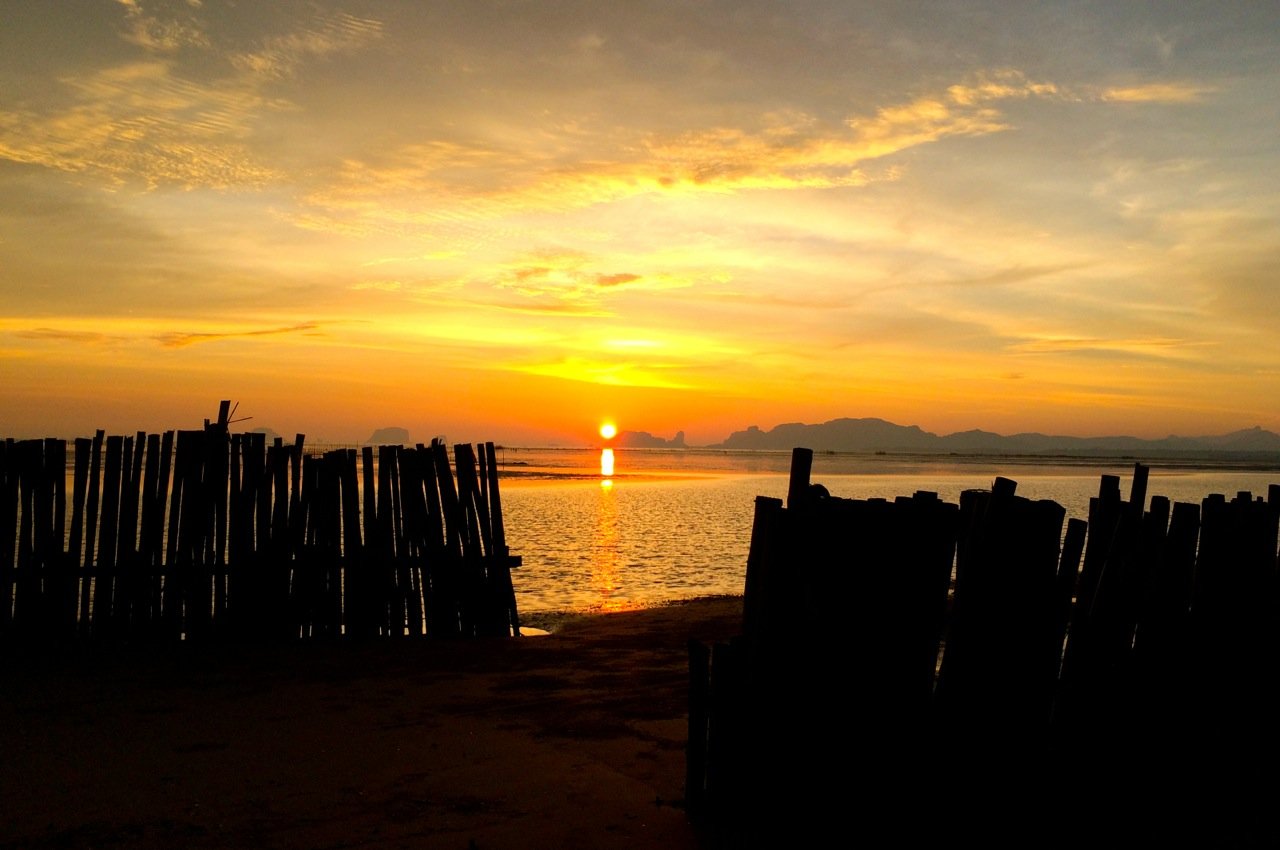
644 527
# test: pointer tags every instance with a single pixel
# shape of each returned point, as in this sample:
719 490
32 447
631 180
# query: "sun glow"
608 430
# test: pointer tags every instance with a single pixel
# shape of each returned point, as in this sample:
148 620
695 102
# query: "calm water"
674 525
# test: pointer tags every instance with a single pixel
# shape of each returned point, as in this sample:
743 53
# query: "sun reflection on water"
606 463
607 563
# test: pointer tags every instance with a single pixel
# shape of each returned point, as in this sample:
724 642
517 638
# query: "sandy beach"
573 739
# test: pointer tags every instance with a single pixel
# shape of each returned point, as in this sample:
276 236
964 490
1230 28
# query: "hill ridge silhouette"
872 434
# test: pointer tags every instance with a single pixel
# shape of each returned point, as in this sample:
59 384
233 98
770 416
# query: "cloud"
149 122
179 339
565 276
557 309
1161 349
1017 274
379 285
1002 85
164 33
572 278
1157 93
1242 288
280 56
442 184
63 335
139 122
611 372
612 280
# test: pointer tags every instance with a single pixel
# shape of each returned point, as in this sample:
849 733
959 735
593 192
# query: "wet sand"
575 739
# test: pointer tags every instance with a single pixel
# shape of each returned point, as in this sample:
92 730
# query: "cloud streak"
1157 93
182 339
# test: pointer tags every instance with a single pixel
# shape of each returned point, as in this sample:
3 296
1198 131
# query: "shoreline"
549 622
573 739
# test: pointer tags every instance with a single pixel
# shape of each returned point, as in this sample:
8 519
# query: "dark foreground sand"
570 740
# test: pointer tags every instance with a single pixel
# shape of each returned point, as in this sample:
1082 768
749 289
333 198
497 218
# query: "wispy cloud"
175 27
439 184
1168 350
1017 274
546 309
151 123
280 56
610 372
64 335
179 339
572 277
140 123
1157 93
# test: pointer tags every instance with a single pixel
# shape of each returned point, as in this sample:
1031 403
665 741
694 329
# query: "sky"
511 221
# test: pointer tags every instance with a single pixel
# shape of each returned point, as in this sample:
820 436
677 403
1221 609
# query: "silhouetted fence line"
203 534
996 667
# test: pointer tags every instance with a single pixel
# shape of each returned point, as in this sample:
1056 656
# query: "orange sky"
512 221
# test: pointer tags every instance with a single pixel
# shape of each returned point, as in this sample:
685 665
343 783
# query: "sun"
608 430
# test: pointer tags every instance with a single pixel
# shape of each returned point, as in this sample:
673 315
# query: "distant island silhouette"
645 440
388 437
872 435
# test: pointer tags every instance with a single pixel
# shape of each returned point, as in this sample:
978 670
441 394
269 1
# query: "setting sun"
608 430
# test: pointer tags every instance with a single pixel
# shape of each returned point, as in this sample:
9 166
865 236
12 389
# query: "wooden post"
465 471
296 526
449 503
387 584
447 573
495 501
372 540
262 499
798 486
476 505
757 601
1069 572
413 508
278 463
25 589
88 581
8 524
75 545
473 613
434 568
503 560
132 614
1138 490
104 604
239 532
149 538
59 580
304 560
63 578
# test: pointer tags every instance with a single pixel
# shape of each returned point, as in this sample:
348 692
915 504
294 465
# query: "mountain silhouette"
873 435
645 440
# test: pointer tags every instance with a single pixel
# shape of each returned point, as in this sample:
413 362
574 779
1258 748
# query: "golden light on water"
606 565
606 463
